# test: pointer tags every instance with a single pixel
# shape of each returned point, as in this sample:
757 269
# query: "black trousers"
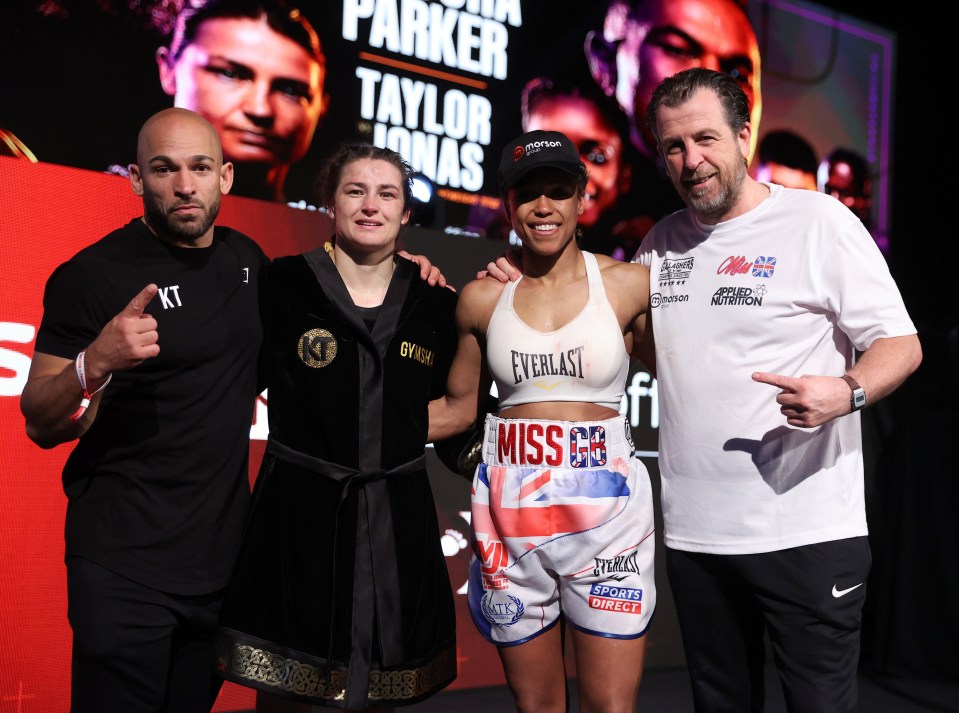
137 650
809 599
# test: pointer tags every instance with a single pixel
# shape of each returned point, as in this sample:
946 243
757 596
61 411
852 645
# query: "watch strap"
857 399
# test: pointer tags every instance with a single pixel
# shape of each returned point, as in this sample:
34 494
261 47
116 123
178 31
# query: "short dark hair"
281 17
546 88
680 87
789 149
332 172
636 6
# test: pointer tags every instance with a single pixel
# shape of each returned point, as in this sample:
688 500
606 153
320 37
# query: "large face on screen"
600 148
261 90
843 183
663 37
772 172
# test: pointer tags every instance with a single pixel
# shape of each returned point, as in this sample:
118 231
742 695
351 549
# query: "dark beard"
179 231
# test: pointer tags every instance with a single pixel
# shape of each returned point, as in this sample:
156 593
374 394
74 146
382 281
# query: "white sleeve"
861 292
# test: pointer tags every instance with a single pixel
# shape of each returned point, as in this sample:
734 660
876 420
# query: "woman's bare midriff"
560 411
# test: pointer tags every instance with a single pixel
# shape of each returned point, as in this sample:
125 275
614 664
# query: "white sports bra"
584 360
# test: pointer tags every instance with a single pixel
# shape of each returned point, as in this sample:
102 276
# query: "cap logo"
534 147
538 149
543 145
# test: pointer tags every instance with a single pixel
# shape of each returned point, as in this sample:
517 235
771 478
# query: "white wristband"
82 377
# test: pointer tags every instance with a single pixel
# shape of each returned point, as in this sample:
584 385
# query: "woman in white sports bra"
562 511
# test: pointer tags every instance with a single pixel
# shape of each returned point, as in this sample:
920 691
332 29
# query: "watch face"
858 399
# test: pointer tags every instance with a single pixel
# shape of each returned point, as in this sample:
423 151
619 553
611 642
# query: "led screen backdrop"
439 81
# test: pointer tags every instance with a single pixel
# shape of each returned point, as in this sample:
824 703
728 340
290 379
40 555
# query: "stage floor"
667 691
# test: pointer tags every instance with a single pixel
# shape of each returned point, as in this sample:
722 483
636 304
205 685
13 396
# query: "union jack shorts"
562 522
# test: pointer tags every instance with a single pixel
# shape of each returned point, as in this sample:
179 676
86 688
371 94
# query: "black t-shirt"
158 487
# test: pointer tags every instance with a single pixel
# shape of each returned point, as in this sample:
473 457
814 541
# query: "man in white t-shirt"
760 297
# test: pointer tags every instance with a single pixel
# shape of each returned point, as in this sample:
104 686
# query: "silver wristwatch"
858 397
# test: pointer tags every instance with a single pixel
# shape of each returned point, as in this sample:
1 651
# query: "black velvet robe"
343 537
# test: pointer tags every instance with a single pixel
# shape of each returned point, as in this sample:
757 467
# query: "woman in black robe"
340 596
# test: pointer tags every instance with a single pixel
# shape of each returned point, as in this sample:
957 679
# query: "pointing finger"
783 382
139 303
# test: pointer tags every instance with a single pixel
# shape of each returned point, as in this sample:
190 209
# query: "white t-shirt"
793 287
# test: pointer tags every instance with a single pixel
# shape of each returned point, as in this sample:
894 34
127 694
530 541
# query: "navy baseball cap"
537 149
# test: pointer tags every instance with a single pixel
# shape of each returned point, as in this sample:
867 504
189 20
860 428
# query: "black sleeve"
77 303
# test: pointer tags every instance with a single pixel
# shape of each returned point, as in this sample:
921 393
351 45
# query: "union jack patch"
764 266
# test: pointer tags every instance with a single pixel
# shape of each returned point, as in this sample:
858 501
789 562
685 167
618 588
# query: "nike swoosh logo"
843 592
